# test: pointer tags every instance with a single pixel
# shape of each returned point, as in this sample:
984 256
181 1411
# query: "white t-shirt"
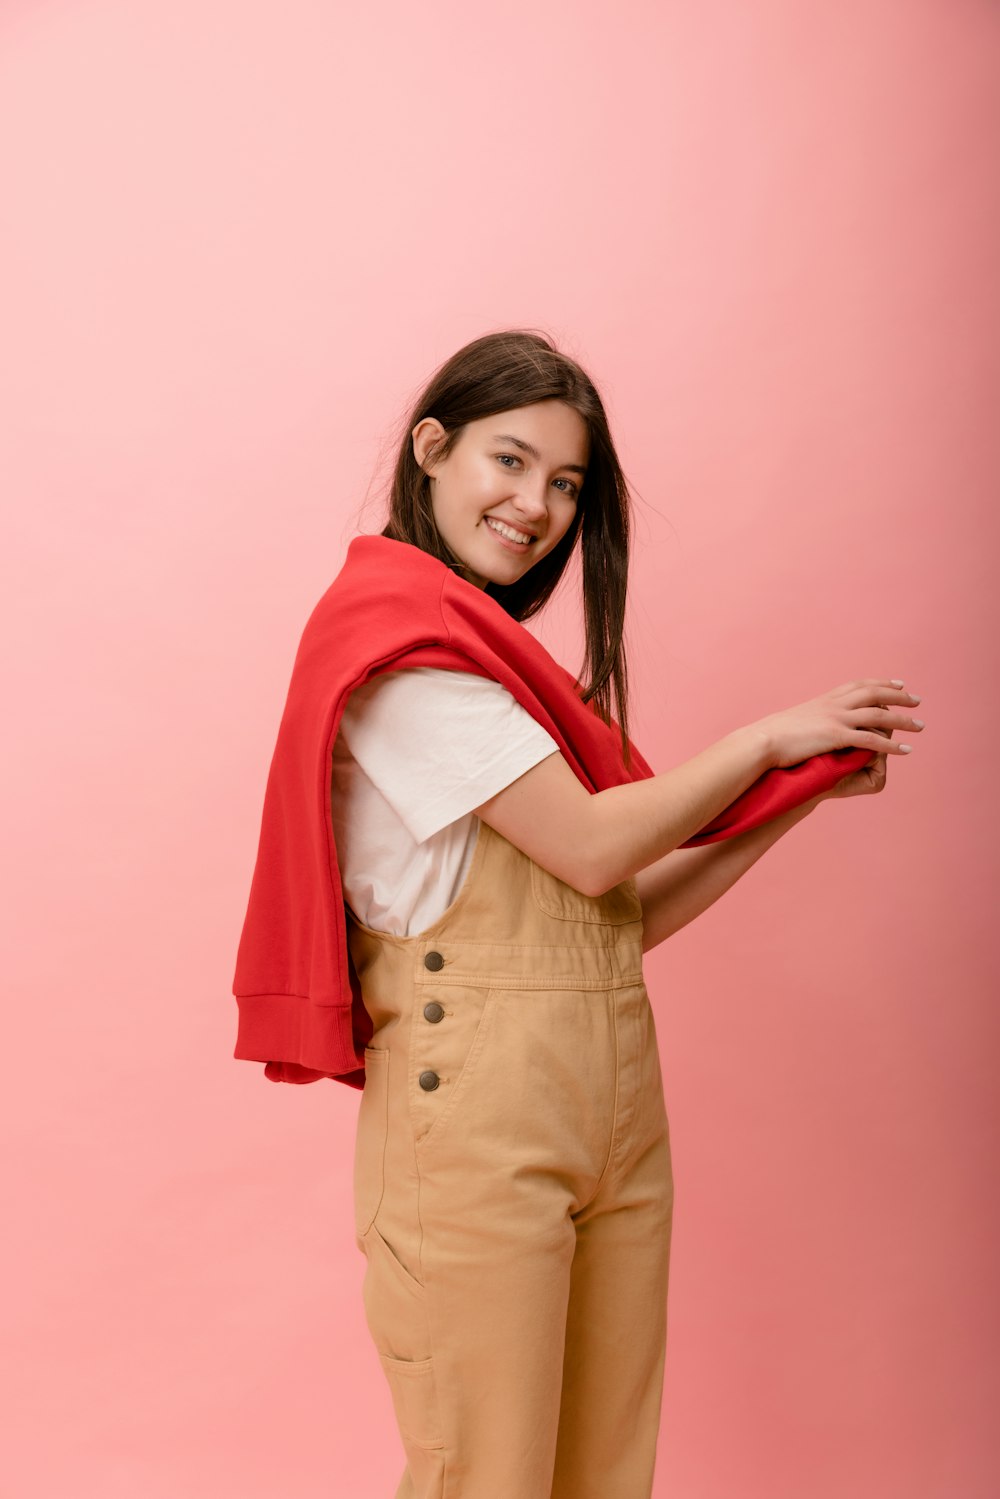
416 750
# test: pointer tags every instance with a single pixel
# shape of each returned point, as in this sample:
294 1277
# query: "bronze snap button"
429 1081
434 961
433 1011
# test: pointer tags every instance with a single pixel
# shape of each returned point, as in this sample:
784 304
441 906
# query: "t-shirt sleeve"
436 743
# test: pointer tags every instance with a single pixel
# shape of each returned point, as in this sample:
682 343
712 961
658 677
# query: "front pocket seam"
398 1268
382 1053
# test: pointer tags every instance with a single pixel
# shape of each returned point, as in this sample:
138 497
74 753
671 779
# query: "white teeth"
498 525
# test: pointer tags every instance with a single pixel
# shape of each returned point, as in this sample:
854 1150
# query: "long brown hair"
499 372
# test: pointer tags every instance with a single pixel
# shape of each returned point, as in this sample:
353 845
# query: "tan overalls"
513 1189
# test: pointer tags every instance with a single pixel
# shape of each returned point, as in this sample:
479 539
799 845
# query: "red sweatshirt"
299 1000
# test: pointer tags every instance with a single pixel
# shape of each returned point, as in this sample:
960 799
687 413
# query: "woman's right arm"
592 841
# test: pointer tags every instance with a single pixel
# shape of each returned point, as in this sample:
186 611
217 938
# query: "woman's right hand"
848 717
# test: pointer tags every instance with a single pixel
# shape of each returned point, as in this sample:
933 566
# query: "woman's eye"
514 459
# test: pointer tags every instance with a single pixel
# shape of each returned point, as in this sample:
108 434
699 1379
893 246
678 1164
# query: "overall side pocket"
396 1311
370 1139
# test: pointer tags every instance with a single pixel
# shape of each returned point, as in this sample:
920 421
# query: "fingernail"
896 681
904 749
919 722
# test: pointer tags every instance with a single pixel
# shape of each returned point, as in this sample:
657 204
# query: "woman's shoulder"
421 683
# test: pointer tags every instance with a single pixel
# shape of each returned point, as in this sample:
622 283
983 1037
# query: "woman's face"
522 468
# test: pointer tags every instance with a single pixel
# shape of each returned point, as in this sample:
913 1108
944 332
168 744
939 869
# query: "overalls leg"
486 1201
617 1315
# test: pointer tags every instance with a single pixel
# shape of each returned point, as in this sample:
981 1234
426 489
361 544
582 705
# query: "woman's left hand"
863 782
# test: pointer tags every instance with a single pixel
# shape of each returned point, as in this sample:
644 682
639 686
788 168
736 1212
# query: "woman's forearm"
678 887
631 826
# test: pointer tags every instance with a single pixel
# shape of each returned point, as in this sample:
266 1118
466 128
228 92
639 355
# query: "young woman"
512 1184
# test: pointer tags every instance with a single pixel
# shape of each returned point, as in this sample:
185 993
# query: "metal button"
433 1011
433 961
429 1081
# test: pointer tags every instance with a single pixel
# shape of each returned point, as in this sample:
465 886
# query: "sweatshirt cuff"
292 1072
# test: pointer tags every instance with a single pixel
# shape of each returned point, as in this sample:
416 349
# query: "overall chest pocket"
615 907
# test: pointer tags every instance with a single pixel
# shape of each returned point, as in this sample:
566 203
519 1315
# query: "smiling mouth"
517 540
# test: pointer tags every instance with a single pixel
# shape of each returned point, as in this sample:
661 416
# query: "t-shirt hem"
487 782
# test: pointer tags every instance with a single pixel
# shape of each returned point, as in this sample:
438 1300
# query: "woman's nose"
530 503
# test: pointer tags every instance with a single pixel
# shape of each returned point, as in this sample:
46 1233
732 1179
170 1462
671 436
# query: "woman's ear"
427 435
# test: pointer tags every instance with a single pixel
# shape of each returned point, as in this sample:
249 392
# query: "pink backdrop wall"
235 240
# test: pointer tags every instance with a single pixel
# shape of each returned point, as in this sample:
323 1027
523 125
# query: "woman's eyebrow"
519 442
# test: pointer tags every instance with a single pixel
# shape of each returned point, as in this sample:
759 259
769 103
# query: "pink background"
235 240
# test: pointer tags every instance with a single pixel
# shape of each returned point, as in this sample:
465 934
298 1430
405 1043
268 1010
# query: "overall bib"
513 1190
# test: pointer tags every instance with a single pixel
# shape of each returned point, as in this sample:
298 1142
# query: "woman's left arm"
678 887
